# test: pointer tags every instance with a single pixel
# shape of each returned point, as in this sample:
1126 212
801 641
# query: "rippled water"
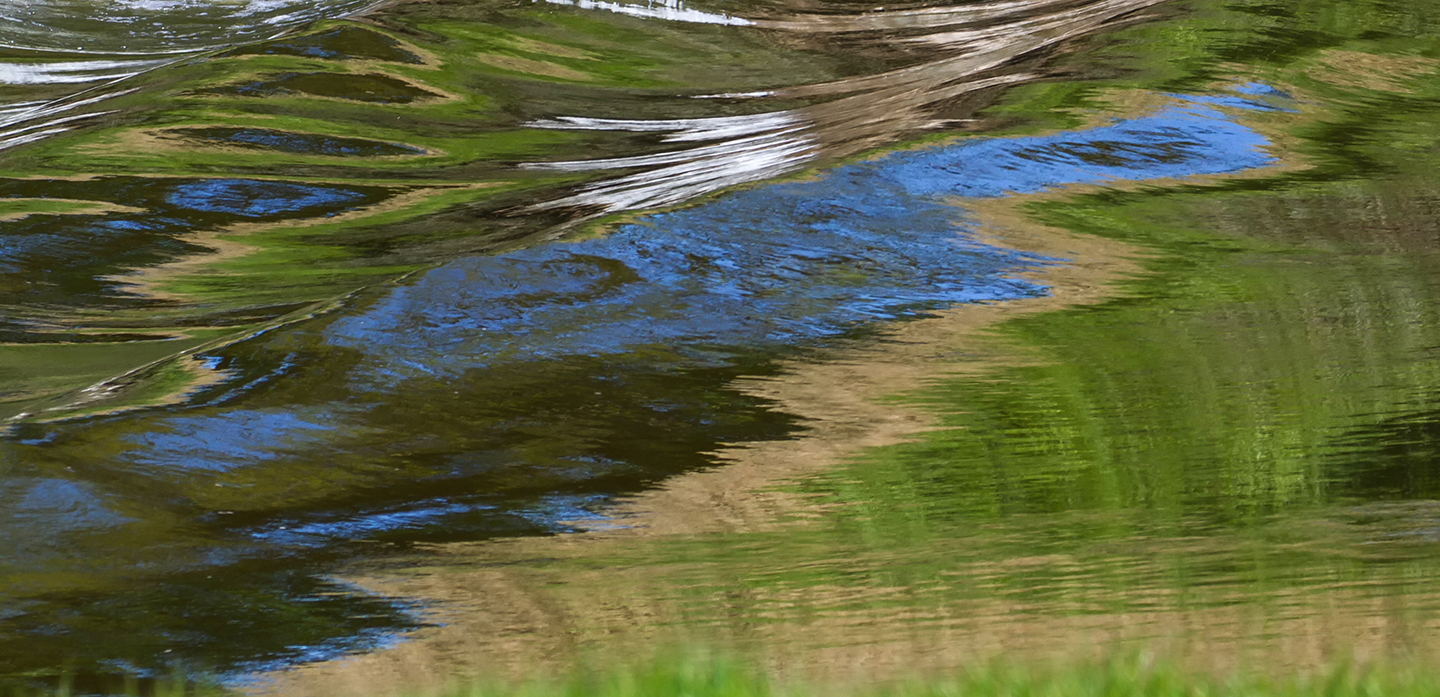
293 286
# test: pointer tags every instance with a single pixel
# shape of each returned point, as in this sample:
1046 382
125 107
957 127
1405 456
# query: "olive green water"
270 326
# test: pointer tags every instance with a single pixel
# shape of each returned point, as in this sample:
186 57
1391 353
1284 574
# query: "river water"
300 292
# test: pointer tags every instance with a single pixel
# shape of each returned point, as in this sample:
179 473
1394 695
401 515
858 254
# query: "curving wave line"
95 45
975 45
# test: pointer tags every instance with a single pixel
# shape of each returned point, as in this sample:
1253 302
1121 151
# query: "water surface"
294 289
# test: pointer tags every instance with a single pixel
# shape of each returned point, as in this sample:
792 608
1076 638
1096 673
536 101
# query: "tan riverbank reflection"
731 557
747 558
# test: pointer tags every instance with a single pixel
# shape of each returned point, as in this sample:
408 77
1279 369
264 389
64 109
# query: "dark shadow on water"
291 142
344 43
369 87
1395 459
